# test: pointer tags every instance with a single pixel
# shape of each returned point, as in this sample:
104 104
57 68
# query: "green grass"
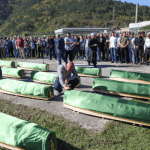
70 136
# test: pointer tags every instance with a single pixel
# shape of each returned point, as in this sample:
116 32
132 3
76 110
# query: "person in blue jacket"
60 49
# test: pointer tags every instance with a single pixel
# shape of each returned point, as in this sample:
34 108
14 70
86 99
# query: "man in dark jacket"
93 44
51 44
102 44
60 49
139 42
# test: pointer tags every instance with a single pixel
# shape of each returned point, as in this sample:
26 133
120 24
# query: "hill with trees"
24 16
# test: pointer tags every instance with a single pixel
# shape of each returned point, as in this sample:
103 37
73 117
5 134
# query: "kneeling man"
64 78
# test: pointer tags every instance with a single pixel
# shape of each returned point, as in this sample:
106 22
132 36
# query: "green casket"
122 88
108 107
25 135
33 66
10 64
92 72
13 72
26 89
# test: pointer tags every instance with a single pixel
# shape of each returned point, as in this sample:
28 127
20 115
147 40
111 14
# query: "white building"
81 30
138 26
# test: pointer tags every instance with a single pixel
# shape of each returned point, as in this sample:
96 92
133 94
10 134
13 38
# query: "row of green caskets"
25 66
111 107
19 134
93 72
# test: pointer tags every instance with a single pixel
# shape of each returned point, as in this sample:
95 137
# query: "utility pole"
136 13
113 13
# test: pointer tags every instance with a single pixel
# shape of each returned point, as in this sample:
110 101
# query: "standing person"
39 45
25 46
98 48
55 44
17 49
77 46
14 46
147 49
60 49
3 54
34 40
6 44
11 47
102 44
69 45
107 51
138 47
113 42
51 44
32 46
87 48
118 53
82 47
47 46
124 42
20 45
131 48
93 44
143 54
64 78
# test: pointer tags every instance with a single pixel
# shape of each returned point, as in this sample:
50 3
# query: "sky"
141 2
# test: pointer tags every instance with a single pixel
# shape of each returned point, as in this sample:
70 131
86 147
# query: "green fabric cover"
24 134
13 72
88 71
129 75
42 67
7 63
122 87
108 105
26 88
43 76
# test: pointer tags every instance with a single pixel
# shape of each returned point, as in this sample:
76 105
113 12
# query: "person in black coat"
51 44
93 44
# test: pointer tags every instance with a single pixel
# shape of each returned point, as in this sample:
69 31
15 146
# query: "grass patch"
70 136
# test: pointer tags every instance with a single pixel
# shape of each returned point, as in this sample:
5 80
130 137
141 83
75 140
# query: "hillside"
48 15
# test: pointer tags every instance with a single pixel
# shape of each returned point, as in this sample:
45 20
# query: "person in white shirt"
113 42
87 48
118 53
147 49
131 48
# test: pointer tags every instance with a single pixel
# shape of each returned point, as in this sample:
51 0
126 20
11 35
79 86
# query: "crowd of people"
114 47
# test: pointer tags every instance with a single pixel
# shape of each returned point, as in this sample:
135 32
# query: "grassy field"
70 136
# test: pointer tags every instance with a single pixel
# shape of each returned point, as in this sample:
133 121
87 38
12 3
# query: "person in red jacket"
20 45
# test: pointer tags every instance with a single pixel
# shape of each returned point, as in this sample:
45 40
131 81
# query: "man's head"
132 35
70 66
124 34
143 34
93 35
68 34
18 36
148 35
57 36
24 38
72 36
101 35
113 34
139 34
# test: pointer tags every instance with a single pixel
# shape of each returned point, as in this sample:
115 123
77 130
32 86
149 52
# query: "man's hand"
66 81
144 51
95 45
67 87
136 47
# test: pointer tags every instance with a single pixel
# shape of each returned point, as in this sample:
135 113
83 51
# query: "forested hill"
48 15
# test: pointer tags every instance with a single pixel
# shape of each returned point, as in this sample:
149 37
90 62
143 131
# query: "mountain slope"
48 15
